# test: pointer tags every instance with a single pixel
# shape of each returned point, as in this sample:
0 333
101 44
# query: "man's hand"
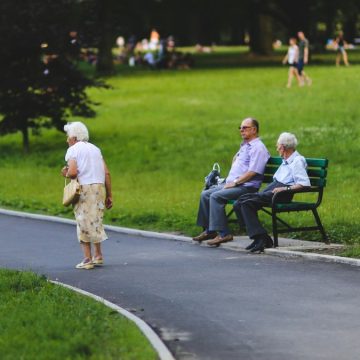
279 189
230 185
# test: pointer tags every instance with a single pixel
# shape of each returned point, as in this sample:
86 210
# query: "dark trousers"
248 205
211 213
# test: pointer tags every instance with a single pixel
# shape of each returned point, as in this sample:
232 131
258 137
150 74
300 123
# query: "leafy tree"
40 83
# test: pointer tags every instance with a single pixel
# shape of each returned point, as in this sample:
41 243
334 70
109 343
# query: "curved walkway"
204 303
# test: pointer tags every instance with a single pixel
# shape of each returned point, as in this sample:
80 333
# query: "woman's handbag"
71 192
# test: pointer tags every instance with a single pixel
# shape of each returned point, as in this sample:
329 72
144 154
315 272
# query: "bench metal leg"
320 226
230 213
274 229
277 218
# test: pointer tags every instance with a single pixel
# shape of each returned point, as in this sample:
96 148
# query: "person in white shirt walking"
292 58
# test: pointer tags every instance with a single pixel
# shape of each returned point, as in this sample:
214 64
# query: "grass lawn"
40 320
161 131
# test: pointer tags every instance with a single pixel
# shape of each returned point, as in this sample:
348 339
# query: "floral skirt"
89 213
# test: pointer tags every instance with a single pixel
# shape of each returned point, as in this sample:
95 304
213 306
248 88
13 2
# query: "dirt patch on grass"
325 251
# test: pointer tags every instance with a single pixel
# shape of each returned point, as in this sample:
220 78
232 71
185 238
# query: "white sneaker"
85 264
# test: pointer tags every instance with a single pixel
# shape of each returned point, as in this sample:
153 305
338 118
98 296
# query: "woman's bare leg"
338 57
98 253
290 76
86 248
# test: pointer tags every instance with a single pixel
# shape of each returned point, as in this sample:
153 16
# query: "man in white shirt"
291 175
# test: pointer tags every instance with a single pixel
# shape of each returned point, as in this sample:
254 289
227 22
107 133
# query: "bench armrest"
312 189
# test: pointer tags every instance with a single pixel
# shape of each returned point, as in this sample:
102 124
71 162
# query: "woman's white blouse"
89 162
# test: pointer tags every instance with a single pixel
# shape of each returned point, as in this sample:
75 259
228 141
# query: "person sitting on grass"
245 176
340 46
291 175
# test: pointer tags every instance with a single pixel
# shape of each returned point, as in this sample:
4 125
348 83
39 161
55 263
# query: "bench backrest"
317 170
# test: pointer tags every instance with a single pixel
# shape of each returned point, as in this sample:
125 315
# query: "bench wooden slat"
318 182
321 173
275 160
312 162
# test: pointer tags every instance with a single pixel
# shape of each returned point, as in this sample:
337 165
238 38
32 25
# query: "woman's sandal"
85 264
97 262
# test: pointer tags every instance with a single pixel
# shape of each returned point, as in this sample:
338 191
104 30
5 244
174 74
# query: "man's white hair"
288 140
78 130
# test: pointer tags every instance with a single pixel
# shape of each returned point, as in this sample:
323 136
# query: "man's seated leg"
239 216
218 219
203 214
246 208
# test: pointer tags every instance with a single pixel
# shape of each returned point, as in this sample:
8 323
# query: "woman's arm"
108 200
285 59
70 170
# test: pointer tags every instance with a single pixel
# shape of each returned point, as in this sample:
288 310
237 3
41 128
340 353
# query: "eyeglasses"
244 127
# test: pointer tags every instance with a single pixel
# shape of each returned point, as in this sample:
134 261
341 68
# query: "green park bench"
317 171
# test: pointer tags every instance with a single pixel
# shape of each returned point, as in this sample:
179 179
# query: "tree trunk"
261 35
350 30
105 63
26 142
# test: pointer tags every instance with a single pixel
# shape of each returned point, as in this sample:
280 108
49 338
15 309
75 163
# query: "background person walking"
292 58
85 162
303 58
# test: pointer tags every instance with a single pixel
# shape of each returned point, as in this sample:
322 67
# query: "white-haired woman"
85 162
291 175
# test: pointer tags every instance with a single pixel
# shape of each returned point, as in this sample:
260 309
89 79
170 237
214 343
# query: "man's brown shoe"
205 236
219 240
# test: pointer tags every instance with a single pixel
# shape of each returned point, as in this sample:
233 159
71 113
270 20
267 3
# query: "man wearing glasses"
245 176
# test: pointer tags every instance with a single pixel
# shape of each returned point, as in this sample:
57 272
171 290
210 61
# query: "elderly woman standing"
85 162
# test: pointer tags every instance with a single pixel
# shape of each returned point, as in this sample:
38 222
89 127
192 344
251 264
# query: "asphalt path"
205 303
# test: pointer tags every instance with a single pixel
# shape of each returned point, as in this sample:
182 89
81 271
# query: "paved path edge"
313 256
161 349
128 231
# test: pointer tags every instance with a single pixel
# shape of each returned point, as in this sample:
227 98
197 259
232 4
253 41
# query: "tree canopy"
207 21
40 83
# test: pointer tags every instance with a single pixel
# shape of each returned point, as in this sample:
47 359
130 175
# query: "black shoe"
249 247
259 246
268 241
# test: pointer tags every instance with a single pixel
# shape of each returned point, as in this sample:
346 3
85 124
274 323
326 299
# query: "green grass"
351 251
160 133
40 320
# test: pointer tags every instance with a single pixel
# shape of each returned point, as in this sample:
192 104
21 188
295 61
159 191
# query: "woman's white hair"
78 130
288 140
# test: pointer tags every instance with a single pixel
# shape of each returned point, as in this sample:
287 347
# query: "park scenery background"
161 131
